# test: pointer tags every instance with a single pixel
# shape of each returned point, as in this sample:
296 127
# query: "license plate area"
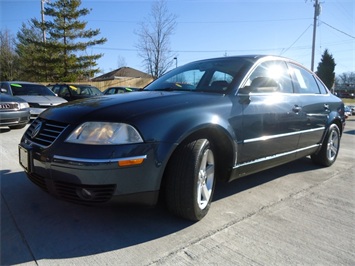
24 158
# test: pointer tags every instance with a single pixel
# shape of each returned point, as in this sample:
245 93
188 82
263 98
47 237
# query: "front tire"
190 180
330 147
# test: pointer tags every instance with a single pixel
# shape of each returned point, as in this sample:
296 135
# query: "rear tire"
190 180
330 147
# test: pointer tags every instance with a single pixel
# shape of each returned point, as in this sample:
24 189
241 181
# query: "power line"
284 51
337 29
207 21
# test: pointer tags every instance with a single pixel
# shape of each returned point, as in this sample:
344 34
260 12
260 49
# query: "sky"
213 28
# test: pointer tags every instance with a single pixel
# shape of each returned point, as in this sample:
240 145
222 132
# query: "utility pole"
42 14
317 9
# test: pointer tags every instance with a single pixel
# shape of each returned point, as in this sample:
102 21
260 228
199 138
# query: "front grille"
84 193
8 106
44 132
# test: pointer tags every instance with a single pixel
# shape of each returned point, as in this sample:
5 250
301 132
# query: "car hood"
9 98
43 99
128 106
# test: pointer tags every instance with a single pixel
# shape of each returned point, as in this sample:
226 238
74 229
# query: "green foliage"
62 55
325 69
32 54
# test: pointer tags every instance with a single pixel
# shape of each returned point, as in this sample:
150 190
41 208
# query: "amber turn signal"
130 162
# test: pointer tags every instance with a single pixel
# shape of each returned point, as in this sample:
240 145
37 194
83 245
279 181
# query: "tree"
154 39
67 40
346 79
325 69
33 57
8 56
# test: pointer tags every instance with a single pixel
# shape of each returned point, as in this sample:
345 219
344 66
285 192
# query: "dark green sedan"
214 119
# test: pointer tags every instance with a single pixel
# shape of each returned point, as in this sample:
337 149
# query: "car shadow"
350 132
4 130
224 189
48 228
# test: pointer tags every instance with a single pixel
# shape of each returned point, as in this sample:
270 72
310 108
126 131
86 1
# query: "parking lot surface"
290 215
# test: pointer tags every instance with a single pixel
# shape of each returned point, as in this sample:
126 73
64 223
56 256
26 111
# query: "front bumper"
93 181
14 118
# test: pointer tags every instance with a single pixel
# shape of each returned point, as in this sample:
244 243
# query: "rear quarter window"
323 89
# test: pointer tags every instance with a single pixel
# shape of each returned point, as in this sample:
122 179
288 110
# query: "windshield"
214 75
84 90
30 89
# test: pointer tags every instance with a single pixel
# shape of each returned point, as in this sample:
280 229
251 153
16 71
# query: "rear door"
314 106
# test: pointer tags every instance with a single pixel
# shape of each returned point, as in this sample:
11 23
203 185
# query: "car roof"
253 57
73 84
21 82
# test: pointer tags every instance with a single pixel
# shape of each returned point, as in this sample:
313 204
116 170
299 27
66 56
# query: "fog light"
85 194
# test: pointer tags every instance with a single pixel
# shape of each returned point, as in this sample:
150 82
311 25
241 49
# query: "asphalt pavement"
295 214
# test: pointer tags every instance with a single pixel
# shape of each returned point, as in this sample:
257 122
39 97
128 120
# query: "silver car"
38 96
14 112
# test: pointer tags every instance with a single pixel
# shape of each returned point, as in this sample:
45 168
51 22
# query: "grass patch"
348 101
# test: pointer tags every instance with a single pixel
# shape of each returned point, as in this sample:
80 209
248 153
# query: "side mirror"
244 95
264 84
244 91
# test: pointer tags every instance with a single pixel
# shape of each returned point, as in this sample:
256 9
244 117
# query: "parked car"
14 112
348 111
352 108
38 96
220 118
117 90
72 92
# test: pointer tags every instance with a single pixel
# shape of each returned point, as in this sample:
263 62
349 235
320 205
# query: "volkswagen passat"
215 119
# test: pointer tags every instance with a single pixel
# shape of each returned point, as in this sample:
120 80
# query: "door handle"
297 108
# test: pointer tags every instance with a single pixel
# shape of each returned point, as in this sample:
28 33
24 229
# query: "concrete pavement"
290 215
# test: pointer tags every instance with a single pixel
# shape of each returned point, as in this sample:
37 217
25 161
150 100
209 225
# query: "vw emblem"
36 130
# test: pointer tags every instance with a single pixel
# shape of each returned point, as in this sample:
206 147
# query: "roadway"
290 215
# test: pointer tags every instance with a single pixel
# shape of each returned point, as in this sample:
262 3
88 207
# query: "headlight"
104 133
24 105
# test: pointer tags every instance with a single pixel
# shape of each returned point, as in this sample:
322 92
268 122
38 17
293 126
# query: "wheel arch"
336 119
223 146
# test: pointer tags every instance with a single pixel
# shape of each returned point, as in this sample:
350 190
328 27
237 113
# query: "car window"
270 76
304 81
30 89
64 91
112 91
205 76
94 91
4 88
187 80
74 90
322 87
55 89
220 81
